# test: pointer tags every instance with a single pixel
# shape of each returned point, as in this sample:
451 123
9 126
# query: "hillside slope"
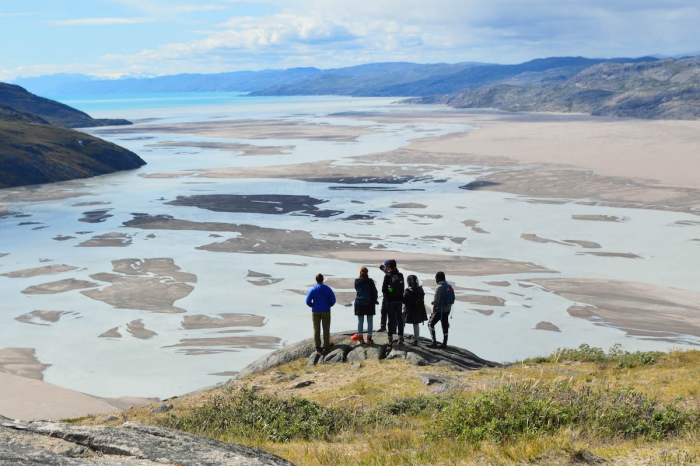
49 110
666 89
33 153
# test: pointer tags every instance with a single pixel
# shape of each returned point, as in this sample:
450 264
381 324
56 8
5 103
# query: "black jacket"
366 308
397 294
414 305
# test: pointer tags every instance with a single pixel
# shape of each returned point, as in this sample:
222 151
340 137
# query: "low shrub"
535 409
247 414
616 355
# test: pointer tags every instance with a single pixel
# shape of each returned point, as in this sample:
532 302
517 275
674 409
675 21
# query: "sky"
113 38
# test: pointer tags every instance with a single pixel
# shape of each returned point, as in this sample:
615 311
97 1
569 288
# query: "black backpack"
364 294
396 286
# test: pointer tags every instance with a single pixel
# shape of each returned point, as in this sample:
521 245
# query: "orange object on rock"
355 337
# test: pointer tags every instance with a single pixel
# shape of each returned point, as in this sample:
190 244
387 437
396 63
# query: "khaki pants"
322 318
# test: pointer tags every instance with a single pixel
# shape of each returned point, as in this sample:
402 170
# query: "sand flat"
44 318
630 306
224 320
61 286
250 129
46 270
21 362
244 149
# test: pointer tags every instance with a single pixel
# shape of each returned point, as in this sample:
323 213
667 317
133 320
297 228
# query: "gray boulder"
452 356
130 444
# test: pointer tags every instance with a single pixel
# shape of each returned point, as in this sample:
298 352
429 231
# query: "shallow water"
134 366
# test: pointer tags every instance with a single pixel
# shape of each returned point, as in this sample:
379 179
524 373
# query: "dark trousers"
322 319
383 322
443 318
393 312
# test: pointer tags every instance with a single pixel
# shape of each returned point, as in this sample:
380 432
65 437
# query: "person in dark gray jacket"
414 306
441 310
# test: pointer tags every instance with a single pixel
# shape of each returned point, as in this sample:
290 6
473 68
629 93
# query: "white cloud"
338 33
101 21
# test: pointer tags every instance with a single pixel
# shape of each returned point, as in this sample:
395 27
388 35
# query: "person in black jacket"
392 289
414 306
382 326
365 303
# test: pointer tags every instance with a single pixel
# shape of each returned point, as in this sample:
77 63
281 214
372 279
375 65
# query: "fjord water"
162 363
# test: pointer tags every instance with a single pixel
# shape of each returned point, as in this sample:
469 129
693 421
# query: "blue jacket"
320 299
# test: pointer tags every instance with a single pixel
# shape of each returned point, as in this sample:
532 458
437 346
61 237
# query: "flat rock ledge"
61 444
347 351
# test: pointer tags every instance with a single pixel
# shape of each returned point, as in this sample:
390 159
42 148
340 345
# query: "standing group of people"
402 303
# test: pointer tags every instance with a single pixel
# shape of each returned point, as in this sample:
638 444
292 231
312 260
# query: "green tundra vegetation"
576 406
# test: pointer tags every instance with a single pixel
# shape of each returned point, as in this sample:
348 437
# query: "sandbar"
250 129
108 240
61 286
244 149
44 318
22 362
630 306
224 320
138 330
46 270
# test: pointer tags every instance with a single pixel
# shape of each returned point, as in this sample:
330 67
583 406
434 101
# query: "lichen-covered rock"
133 444
362 353
416 359
337 355
455 357
396 354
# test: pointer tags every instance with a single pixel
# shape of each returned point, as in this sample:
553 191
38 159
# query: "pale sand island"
541 158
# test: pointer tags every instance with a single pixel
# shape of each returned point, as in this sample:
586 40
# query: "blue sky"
113 38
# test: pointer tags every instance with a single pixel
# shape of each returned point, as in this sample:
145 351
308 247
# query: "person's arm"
406 296
385 284
375 295
332 297
439 291
310 298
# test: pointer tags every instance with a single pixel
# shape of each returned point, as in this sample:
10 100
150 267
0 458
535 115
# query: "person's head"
364 273
391 264
439 277
319 278
412 281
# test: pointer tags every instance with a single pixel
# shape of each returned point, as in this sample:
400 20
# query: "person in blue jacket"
321 299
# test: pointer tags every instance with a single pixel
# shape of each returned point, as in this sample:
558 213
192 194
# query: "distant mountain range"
663 89
36 145
646 87
372 80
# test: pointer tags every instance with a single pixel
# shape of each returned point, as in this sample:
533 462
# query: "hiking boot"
361 341
433 344
319 350
381 329
400 340
444 343
369 340
415 343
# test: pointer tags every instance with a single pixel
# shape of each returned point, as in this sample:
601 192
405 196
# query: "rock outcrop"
346 350
61 444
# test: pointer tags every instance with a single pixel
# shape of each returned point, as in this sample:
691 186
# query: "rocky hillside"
665 89
36 146
49 110
32 153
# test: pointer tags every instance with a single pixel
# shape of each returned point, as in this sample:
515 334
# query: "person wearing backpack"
365 304
392 289
442 305
382 326
414 306
321 299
